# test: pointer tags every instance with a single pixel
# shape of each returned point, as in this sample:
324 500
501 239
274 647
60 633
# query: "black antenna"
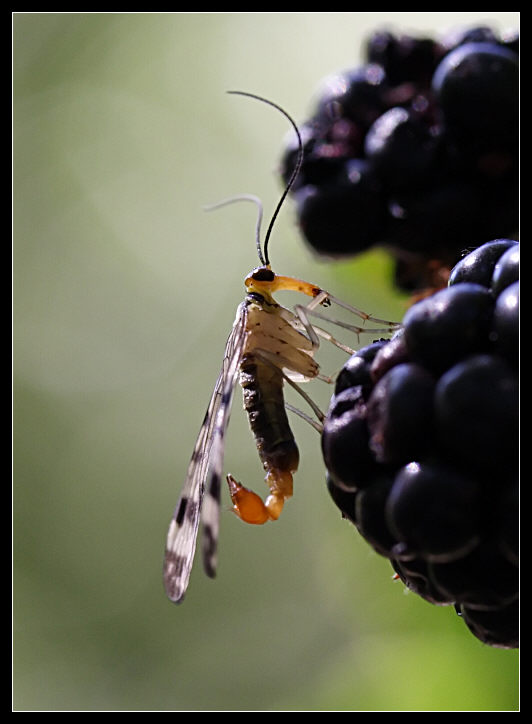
299 162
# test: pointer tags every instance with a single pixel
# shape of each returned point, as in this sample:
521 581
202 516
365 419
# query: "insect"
268 346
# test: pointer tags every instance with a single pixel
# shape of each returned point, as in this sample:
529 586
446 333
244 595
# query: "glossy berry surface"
421 444
415 150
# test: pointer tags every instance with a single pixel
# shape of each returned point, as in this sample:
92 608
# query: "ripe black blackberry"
416 151
421 444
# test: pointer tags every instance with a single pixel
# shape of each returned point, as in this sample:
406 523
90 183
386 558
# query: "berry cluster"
421 444
415 151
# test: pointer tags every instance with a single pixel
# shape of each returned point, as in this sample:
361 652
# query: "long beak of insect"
278 283
290 284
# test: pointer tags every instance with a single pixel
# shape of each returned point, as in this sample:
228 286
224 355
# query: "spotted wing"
200 497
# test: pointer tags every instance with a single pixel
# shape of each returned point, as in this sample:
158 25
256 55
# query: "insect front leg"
315 332
304 312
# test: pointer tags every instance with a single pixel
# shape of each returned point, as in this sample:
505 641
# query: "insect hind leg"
278 362
316 425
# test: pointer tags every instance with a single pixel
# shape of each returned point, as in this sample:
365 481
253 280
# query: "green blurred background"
124 293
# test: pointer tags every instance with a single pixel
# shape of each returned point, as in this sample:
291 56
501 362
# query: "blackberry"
475 428
477 91
470 578
478 266
414 574
400 413
497 627
326 210
421 444
347 427
370 514
447 326
506 322
357 370
506 270
432 509
415 151
404 57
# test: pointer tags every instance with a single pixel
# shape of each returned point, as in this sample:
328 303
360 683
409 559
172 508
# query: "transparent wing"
200 497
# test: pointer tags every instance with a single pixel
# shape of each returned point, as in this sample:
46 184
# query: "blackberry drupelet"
421 444
415 151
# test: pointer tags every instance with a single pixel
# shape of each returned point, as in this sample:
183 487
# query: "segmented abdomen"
262 385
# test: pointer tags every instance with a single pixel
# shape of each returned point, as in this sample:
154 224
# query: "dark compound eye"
263 274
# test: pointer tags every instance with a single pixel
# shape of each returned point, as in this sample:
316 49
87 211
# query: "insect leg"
304 416
313 331
303 312
279 362
363 315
